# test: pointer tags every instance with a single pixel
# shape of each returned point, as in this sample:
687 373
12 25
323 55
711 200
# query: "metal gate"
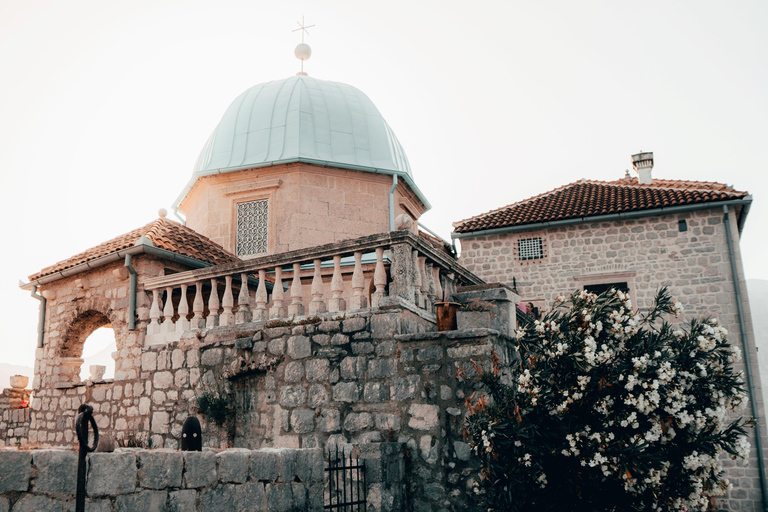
346 482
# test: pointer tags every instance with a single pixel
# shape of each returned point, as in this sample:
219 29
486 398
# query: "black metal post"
84 417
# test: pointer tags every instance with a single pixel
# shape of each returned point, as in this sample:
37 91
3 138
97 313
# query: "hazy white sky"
104 106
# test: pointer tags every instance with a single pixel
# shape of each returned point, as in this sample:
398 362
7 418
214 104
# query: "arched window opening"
97 351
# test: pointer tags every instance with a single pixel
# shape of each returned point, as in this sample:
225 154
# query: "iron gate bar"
337 483
84 418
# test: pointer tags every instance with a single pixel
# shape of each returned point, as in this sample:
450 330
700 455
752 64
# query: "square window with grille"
530 249
252 227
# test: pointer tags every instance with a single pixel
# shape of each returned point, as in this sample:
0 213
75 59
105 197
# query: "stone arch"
79 330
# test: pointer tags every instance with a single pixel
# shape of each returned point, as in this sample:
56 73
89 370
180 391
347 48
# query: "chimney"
643 164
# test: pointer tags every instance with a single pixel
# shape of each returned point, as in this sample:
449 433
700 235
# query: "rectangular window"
252 227
597 289
530 249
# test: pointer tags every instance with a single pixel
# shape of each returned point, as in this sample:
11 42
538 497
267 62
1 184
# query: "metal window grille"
346 482
530 248
252 227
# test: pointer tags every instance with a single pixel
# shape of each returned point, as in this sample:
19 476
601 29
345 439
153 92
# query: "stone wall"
159 480
380 376
646 253
14 427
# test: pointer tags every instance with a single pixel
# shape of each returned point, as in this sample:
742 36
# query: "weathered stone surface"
353 325
264 466
292 396
302 421
294 371
318 370
250 496
276 332
286 465
329 421
322 339
431 353
143 500
160 422
346 392
354 422
362 348
111 474
212 357
234 465
199 469
56 471
15 470
102 505
276 346
299 347
310 466
330 326
462 449
385 421
317 395
374 392
424 416
404 388
428 448
244 343
4 505
32 503
381 368
163 380
339 339
159 469
182 501
218 499
465 351
279 496
352 368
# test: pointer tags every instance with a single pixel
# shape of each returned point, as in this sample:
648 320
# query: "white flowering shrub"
609 410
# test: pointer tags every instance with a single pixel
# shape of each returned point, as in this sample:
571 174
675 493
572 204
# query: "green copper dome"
303 119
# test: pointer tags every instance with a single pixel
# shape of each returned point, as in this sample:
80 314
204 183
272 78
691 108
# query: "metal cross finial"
303 28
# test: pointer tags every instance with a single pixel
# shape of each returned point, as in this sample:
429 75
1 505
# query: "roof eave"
744 202
112 257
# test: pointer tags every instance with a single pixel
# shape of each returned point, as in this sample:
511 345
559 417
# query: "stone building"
299 293
636 234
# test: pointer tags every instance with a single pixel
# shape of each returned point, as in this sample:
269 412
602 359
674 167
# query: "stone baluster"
182 324
416 280
359 299
337 303
198 322
317 305
227 303
278 296
450 285
168 311
438 287
296 307
154 313
213 305
401 270
244 302
379 278
260 314
429 273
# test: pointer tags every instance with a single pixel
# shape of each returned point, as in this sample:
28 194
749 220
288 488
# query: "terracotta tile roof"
587 198
163 233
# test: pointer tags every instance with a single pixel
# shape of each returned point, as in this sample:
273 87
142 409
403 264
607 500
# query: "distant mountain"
758 303
6 370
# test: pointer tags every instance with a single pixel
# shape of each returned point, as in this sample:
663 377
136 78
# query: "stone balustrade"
397 267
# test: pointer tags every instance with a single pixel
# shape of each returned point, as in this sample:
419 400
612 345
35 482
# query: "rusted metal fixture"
84 417
446 315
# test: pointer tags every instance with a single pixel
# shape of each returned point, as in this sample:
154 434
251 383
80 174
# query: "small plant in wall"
215 404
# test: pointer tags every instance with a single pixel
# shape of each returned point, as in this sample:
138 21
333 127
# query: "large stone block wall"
647 253
14 427
312 205
164 480
381 376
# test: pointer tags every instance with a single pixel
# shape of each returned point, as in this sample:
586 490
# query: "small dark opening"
682 225
597 289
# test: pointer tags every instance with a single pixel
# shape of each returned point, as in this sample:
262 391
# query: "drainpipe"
392 203
747 360
40 317
178 216
131 293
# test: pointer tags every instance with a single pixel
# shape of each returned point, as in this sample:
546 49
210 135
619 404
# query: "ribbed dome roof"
303 119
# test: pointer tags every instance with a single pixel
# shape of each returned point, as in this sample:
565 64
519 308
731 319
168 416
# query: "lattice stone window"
530 249
252 227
